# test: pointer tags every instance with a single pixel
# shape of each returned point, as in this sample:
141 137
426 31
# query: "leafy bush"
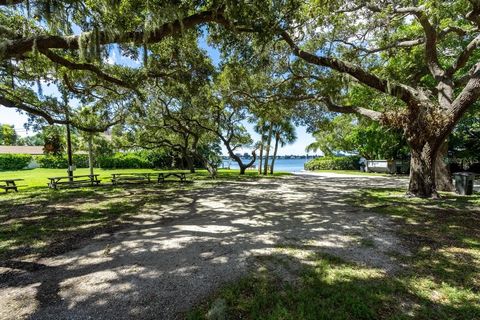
158 158
61 162
14 161
334 163
125 160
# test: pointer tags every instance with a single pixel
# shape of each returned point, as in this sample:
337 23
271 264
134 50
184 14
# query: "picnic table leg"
12 185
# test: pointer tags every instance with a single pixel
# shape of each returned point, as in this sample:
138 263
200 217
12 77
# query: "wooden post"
69 152
90 153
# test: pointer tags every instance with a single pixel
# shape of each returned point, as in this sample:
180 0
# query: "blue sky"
11 116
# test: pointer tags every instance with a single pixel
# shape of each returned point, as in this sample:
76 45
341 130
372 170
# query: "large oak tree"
419 56
364 39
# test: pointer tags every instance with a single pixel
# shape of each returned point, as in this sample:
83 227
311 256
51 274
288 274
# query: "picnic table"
180 175
146 176
74 180
9 184
131 177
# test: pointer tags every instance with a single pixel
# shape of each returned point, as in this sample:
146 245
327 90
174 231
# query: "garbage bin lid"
468 174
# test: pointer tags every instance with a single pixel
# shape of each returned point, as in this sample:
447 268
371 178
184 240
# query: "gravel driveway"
175 257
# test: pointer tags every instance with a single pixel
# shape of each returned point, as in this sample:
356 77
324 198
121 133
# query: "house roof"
33 150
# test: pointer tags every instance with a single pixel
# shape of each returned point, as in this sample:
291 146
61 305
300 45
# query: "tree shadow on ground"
326 287
181 253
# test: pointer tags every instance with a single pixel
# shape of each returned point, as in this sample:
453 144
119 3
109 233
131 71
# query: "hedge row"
116 161
126 161
334 163
14 161
140 160
61 162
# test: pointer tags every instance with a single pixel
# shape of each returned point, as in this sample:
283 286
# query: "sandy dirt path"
175 257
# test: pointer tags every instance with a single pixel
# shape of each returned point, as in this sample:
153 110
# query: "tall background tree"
418 61
284 133
419 58
8 135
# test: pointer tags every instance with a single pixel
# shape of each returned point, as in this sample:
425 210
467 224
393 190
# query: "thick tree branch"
19 47
10 2
405 43
8 103
407 94
431 54
464 56
31 110
469 95
99 128
84 66
333 107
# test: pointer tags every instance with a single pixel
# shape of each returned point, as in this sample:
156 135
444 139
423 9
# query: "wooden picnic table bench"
146 176
80 180
180 175
9 184
131 177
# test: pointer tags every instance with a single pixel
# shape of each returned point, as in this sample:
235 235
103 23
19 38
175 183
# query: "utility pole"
69 152
90 153
69 140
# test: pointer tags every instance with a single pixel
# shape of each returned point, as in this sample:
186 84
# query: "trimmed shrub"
159 159
334 163
125 161
61 162
14 161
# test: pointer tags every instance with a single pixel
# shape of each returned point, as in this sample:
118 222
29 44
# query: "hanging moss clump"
35 48
145 55
87 45
82 45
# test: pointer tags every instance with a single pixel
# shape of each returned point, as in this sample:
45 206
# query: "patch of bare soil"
174 255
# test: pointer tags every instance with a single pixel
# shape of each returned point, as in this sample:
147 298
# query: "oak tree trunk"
189 160
422 172
443 178
242 169
241 165
191 165
211 168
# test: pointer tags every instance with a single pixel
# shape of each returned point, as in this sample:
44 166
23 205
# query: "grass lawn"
38 221
39 177
353 172
439 280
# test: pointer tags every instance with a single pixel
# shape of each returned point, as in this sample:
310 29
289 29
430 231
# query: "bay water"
284 165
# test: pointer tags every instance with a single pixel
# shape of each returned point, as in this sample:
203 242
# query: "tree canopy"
410 66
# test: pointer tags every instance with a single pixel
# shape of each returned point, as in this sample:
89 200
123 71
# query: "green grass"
38 221
353 172
439 280
327 289
39 177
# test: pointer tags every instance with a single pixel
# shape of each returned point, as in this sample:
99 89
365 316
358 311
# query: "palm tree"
261 127
284 133
267 151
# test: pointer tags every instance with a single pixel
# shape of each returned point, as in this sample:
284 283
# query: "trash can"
464 182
